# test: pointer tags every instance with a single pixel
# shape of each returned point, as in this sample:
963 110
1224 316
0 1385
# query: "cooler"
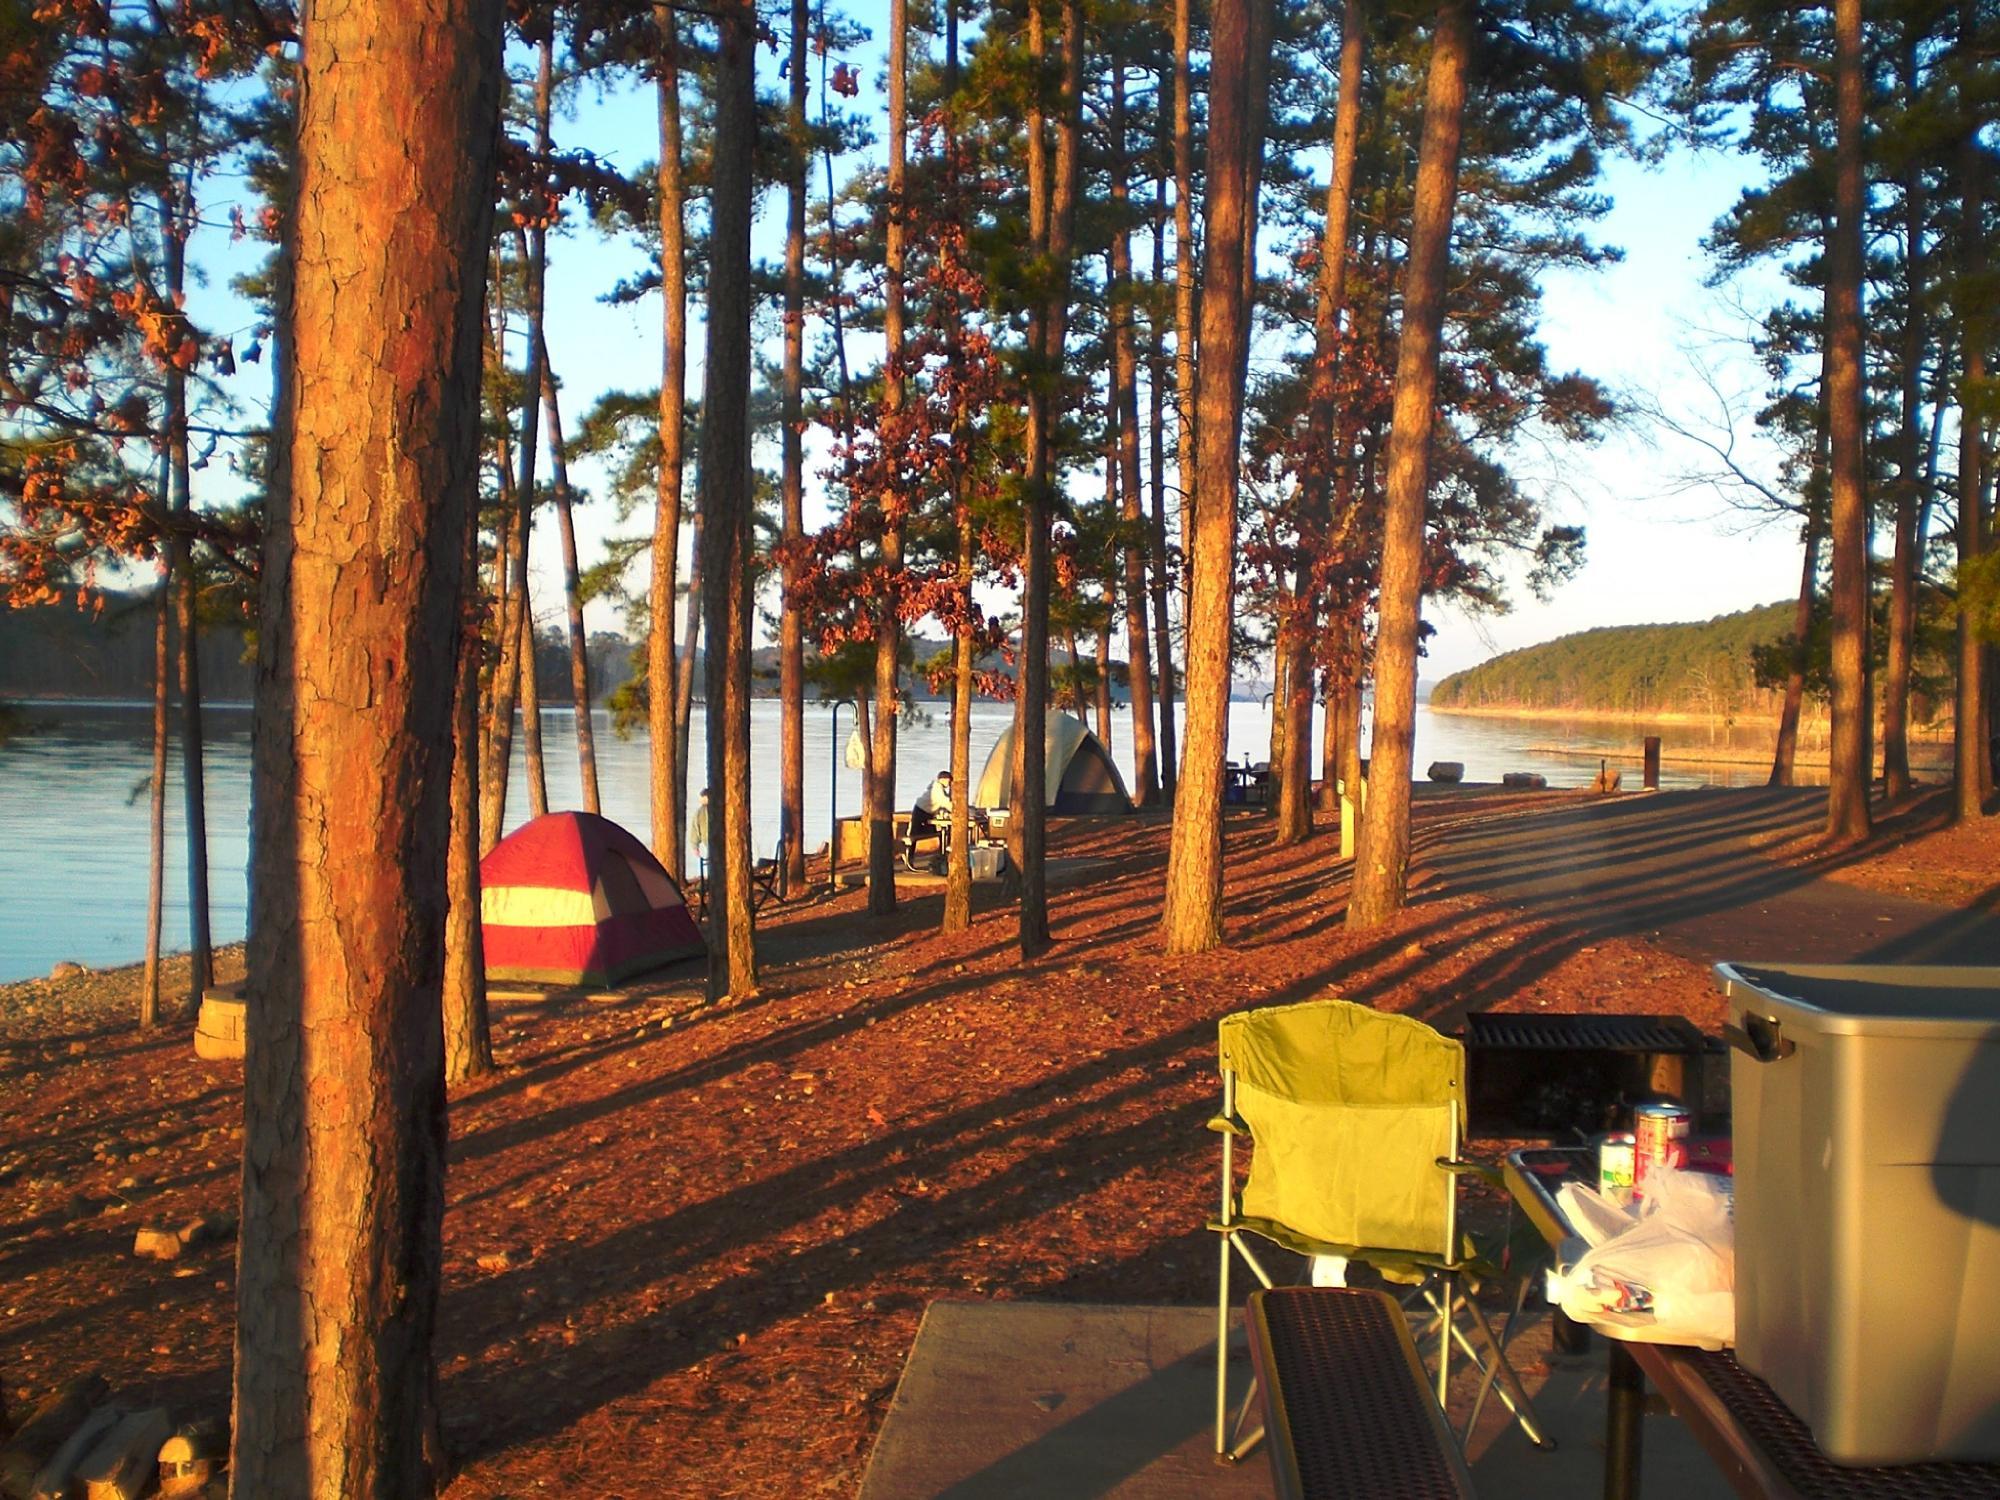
1867 1148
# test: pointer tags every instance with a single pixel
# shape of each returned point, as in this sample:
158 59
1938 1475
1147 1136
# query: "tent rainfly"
1081 776
572 898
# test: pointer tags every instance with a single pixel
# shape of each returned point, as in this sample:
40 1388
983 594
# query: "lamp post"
833 801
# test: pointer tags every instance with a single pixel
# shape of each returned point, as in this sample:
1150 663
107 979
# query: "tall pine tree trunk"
514 611
533 765
468 1040
1156 396
724 486
1383 849
1052 228
1847 767
1192 920
1904 565
376 464
791 628
1135 542
1970 730
579 641
667 761
187 625
1295 776
1784 760
1185 289
156 811
888 617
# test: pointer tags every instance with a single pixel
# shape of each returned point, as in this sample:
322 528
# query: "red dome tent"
572 898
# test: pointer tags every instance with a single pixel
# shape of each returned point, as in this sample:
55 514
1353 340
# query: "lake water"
73 801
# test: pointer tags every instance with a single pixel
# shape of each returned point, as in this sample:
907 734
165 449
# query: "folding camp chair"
1355 1118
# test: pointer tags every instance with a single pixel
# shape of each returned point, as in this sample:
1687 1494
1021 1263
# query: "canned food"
1615 1155
1659 1133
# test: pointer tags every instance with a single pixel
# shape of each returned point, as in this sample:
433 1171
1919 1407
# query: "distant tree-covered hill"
1699 667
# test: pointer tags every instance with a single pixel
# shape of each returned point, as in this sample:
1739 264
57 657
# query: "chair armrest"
1229 1125
1489 1175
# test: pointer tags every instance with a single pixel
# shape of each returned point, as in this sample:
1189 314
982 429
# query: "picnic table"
1759 1444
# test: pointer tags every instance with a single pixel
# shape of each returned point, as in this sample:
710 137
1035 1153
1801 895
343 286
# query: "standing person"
698 835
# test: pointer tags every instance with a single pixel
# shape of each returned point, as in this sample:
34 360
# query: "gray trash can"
1867 1149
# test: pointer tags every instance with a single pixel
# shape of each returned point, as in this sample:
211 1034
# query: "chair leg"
1222 1358
1445 1331
1519 1402
1493 1367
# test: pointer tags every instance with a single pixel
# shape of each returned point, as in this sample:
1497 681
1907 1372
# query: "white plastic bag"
1666 1276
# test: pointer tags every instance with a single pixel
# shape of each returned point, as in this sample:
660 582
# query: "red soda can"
1660 1132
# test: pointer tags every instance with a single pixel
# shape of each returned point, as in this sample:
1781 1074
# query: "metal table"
1754 1438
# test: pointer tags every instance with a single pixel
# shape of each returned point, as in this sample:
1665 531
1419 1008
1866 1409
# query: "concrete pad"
1054 1400
1569 1395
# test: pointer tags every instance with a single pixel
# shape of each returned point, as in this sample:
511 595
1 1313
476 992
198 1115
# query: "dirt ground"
687 1247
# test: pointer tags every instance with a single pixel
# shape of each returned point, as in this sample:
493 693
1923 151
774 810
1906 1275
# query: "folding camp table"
1759 1444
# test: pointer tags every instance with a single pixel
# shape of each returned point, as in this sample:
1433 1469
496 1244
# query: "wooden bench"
1347 1408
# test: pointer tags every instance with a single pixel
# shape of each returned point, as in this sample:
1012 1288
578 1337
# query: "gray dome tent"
1082 777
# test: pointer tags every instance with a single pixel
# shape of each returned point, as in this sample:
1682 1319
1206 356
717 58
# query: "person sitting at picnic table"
932 814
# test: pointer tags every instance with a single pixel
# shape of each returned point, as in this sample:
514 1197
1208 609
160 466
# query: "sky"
1654 551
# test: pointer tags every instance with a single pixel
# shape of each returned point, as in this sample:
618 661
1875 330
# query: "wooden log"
126 1460
56 1480
22 1456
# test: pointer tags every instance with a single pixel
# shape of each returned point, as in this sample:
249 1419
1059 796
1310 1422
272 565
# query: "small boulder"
1530 780
68 969
1447 771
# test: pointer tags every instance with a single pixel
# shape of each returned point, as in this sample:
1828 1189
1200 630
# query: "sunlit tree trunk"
376 464
468 1041
534 768
156 811
667 760
1785 758
579 641
724 485
1847 765
1192 920
888 617
791 629
958 863
1295 776
1136 541
1156 395
512 622
1382 853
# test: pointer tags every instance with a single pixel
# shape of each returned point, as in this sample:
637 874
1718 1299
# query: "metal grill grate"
1360 1419
1673 1035
1789 1445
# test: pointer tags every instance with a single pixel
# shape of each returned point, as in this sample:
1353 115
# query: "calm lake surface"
73 801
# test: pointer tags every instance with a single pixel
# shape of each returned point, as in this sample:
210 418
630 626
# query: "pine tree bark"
1382 851
156 812
1192 920
1904 564
667 761
579 641
1156 396
1052 221
534 767
377 467
514 610
888 609
1847 816
1295 775
1186 288
791 628
1972 773
468 1037
187 629
723 482
1785 757
1136 541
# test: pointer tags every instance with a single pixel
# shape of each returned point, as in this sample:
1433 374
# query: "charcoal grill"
1548 1075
